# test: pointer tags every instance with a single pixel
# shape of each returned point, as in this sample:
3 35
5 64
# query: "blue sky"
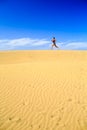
30 24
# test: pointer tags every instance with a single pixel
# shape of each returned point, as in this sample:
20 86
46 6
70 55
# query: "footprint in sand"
31 126
57 124
69 100
24 103
78 102
39 127
52 116
59 119
10 118
17 120
61 109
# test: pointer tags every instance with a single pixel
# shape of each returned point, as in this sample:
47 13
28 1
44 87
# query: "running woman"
54 43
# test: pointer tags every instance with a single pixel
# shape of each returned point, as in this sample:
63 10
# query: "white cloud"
74 45
40 42
12 44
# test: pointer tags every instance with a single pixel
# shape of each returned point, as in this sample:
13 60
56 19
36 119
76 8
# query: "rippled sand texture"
43 90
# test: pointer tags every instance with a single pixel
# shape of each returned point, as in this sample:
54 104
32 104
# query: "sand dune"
43 90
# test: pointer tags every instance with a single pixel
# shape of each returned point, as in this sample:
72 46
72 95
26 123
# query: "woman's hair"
53 37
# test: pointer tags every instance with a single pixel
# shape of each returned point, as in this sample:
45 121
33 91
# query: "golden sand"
43 90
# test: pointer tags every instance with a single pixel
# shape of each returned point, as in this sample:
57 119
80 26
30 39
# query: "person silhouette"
54 42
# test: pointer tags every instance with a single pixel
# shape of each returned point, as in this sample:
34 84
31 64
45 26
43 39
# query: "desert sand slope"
43 90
